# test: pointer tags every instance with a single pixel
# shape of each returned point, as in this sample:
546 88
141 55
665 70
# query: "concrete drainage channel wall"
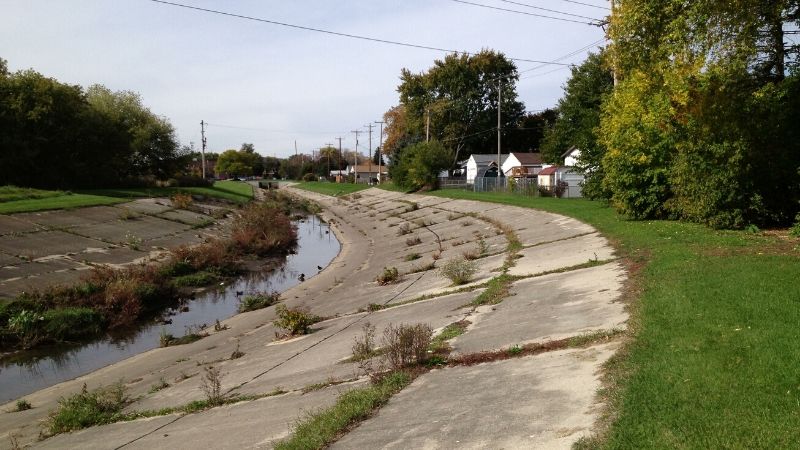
539 401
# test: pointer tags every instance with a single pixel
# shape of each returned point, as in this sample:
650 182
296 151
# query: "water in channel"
25 373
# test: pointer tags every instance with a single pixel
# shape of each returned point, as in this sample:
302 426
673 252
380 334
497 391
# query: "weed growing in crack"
514 350
22 405
405 345
413 241
388 276
412 257
258 300
296 321
459 271
403 229
162 384
86 409
211 384
236 354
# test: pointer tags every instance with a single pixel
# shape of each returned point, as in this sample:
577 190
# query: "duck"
239 293
319 267
302 277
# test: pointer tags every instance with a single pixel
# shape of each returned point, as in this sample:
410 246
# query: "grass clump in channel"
258 300
459 271
295 321
86 409
322 428
388 276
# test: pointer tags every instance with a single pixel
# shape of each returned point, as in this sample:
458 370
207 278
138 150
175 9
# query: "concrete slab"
73 217
255 424
15 286
103 437
9 260
560 254
143 227
548 308
111 255
538 402
186 217
148 205
188 237
36 245
12 224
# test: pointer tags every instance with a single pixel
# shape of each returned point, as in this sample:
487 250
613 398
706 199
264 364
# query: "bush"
263 229
192 181
72 323
181 200
296 321
364 346
22 405
418 165
258 300
406 344
195 279
309 177
86 409
388 276
795 230
459 271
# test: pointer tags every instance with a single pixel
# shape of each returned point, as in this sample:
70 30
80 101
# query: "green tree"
578 116
420 164
458 96
239 163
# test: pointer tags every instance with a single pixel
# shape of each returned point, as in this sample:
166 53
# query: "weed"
422 268
459 271
211 383
514 350
181 200
413 241
795 230
471 255
296 321
162 384
321 428
127 214
258 300
262 229
388 276
403 229
412 257
193 333
483 247
496 290
202 278
364 345
86 409
406 344
236 354
220 327
439 343
22 405
437 255
132 241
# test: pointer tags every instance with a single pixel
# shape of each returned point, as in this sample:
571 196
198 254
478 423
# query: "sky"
272 85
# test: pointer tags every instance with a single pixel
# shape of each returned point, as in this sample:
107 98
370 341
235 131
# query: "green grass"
234 191
322 427
714 355
13 193
332 189
60 200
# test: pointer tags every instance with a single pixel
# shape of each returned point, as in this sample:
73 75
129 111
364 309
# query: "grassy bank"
332 189
17 200
713 359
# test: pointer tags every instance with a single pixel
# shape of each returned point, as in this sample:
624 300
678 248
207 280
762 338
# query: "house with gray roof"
481 165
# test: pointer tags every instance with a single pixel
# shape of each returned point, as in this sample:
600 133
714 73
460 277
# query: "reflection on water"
30 371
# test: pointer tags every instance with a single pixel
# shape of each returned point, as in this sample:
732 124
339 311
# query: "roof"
364 168
486 158
569 150
528 158
549 170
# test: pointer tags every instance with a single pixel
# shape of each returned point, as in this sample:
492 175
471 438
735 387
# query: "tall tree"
577 119
458 98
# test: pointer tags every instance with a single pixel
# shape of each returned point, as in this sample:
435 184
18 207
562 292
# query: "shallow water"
31 371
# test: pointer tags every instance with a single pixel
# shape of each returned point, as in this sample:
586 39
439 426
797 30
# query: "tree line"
57 135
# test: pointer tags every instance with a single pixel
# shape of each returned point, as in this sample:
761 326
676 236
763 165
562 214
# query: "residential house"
571 156
368 173
550 177
523 165
481 165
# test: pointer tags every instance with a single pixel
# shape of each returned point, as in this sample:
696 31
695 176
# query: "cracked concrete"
542 401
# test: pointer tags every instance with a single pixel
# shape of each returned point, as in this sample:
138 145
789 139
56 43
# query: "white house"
522 165
571 156
550 177
367 173
479 164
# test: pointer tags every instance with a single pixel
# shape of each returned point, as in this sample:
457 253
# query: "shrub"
403 229
411 256
459 271
258 300
211 383
309 177
22 405
296 321
181 200
364 345
62 324
795 230
388 276
195 279
406 344
413 241
86 409
263 229
192 181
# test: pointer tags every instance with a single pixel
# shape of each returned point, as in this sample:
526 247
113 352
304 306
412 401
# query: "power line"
546 9
348 35
586 4
563 19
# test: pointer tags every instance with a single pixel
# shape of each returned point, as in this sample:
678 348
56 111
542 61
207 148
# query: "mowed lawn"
15 200
332 189
714 358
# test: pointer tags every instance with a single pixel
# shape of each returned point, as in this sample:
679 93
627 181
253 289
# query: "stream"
30 371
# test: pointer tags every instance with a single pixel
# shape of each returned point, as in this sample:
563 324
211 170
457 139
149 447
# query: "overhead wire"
595 22
347 35
586 4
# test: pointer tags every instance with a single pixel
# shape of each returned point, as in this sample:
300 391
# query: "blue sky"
272 85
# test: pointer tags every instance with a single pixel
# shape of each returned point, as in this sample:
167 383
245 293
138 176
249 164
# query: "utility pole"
203 150
300 167
380 152
499 102
355 158
369 175
339 157
328 147
427 124
613 63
